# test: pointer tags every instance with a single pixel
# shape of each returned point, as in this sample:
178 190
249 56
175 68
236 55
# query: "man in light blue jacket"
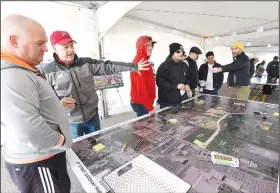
31 114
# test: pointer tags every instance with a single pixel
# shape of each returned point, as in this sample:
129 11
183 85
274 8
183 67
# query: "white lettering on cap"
63 33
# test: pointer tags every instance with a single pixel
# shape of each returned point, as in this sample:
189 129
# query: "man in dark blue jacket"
239 73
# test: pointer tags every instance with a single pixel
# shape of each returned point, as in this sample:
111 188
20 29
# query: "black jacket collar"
169 59
190 60
239 56
214 65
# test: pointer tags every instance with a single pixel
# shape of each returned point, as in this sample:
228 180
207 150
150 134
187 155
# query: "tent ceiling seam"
258 25
160 25
203 14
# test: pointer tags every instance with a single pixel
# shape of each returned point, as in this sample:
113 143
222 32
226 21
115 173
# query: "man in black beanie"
172 78
193 70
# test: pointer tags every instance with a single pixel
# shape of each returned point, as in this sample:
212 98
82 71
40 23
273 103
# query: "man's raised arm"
100 67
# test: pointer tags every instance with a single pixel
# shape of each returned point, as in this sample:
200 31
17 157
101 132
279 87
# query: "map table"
262 81
258 83
221 124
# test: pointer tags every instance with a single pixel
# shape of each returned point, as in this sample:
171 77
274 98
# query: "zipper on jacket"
75 86
78 96
77 78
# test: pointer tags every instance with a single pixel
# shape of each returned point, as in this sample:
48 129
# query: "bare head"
24 38
210 57
63 46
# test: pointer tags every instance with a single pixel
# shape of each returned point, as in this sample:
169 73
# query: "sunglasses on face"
179 51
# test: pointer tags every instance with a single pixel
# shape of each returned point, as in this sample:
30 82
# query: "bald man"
34 119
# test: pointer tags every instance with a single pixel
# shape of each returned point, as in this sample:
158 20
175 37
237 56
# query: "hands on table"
186 88
152 112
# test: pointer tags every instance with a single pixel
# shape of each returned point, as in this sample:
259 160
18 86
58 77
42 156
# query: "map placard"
108 81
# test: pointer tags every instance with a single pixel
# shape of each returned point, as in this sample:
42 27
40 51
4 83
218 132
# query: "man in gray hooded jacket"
35 122
73 81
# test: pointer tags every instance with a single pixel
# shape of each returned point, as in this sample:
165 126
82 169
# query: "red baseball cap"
61 38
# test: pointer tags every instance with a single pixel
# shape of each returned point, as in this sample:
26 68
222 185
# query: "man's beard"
180 59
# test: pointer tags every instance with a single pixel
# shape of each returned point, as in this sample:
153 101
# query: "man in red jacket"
143 87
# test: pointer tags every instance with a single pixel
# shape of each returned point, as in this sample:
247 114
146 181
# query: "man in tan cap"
239 73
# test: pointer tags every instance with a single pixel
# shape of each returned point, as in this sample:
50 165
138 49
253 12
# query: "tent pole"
99 57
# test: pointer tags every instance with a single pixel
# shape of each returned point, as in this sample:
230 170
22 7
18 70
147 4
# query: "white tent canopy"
254 23
228 21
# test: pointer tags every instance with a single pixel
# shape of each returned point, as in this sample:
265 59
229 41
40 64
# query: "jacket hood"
6 64
141 47
10 61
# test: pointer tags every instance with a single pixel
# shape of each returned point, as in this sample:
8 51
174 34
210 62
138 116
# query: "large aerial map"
183 146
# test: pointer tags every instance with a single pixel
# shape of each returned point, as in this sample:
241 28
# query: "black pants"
193 92
47 176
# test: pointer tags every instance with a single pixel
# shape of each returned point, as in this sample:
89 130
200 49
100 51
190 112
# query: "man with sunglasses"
143 87
193 70
73 81
172 78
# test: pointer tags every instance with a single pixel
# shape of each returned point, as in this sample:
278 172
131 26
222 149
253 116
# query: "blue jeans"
81 129
212 92
139 109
